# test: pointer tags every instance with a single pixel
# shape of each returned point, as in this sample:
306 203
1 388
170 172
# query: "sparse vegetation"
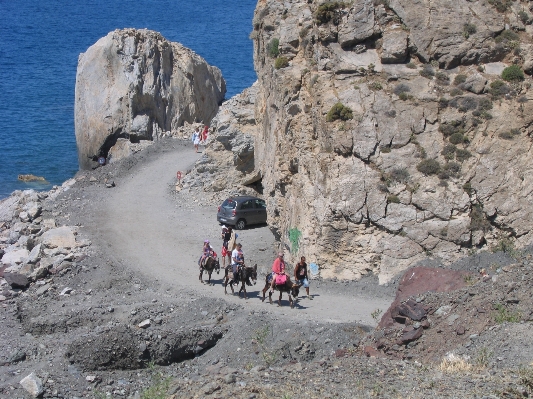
376 86
458 138
468 30
401 88
513 73
483 357
393 199
524 17
427 71
449 128
281 62
506 36
429 167
459 79
448 152
505 245
400 175
509 134
443 102
273 48
504 315
411 65
455 92
339 112
454 364
442 78
462 155
500 5
375 314
484 104
478 221
498 88
328 12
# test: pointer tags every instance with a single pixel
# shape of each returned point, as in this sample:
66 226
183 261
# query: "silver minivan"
242 211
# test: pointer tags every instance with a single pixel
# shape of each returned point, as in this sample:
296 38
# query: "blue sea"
39 46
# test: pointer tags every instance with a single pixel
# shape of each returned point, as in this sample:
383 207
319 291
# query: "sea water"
39 46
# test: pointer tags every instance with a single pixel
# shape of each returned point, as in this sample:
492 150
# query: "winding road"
152 233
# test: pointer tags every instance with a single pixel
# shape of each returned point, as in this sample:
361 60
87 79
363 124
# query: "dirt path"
153 234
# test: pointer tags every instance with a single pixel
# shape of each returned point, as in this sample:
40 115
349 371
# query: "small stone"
65 291
230 378
90 378
144 324
33 385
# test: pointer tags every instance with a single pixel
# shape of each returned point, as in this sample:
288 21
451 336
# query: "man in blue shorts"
300 275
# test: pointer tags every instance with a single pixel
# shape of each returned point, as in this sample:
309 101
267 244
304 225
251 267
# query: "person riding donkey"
207 252
228 244
278 270
237 257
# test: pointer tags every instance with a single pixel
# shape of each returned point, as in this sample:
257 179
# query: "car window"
260 203
247 204
229 204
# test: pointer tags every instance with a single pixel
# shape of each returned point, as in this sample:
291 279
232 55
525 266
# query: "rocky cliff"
135 85
387 131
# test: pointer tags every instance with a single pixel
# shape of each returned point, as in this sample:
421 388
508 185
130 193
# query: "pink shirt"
278 266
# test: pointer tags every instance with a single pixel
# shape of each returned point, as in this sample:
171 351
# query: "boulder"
60 237
394 48
475 83
136 85
16 280
15 256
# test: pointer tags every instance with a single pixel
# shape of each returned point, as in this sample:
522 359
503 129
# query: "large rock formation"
136 85
429 162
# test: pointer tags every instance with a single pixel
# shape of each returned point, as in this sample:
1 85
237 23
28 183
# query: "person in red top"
278 267
204 134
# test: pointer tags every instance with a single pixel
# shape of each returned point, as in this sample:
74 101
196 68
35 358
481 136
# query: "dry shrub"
455 364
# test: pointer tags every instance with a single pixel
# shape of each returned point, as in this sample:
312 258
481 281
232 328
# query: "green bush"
509 135
427 71
484 104
506 36
400 175
393 199
401 88
429 167
442 78
404 96
459 79
452 168
524 17
410 65
503 315
513 73
498 88
376 86
273 48
457 138
339 111
462 155
448 152
500 5
455 92
281 62
468 30
328 12
449 128
478 221
443 102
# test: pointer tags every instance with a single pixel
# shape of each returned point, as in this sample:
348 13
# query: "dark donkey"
244 275
210 265
292 289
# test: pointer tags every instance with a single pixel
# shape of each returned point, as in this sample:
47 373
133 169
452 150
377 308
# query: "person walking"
300 275
237 256
205 134
196 136
226 251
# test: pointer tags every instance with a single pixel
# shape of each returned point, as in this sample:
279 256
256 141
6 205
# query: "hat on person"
206 242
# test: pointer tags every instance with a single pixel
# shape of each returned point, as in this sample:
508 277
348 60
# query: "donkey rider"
278 268
237 257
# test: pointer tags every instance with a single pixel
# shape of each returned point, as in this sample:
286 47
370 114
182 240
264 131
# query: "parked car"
242 211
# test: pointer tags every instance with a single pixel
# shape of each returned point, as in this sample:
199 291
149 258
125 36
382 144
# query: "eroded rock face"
357 193
136 85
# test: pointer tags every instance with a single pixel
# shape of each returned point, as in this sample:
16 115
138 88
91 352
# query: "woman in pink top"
278 267
205 133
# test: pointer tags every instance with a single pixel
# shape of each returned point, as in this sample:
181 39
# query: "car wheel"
241 224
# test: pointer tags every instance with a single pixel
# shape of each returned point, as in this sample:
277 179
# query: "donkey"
210 265
244 275
292 289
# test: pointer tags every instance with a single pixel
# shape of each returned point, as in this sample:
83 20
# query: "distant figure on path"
205 134
196 137
300 275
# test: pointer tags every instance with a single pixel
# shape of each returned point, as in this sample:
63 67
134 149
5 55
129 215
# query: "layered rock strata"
433 155
135 85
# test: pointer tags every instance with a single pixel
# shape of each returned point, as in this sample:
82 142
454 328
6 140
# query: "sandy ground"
151 232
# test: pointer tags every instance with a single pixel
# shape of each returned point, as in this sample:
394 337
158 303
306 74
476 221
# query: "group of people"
200 137
232 250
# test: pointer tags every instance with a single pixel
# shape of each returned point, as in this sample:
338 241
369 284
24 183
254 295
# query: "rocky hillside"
134 85
386 131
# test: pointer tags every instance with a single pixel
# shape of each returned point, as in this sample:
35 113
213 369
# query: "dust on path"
148 231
